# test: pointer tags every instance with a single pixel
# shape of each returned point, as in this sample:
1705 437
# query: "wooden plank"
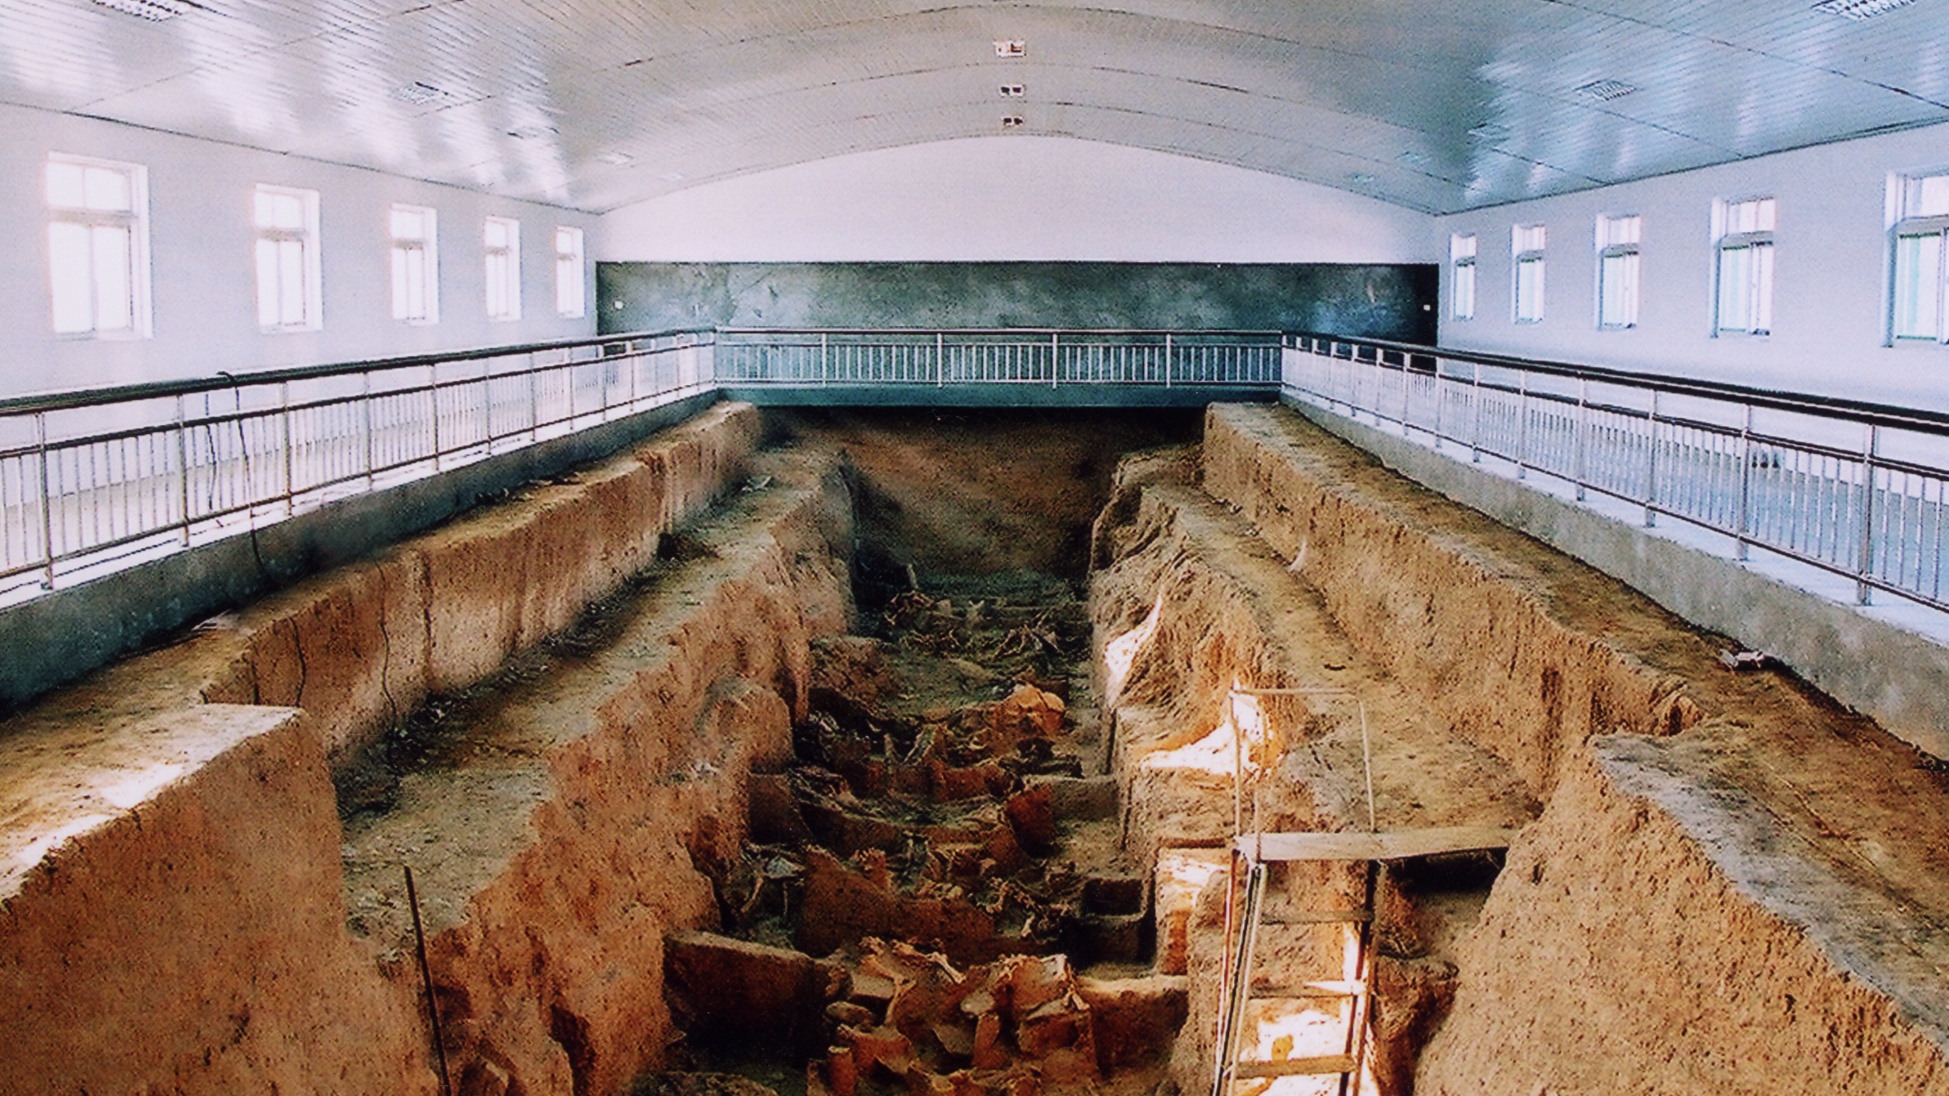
1392 845
1350 915
1295 1067
1269 990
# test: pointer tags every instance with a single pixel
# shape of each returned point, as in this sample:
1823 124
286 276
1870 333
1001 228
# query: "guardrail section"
94 481
826 357
1853 488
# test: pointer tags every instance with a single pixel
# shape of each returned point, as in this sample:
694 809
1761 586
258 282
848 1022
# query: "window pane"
495 233
1929 197
64 186
1735 288
68 261
1916 260
409 224
267 294
1529 290
1465 291
402 302
1762 288
1618 293
291 283
114 307
108 189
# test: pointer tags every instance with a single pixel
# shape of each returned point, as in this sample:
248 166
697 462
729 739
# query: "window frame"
408 253
1908 222
501 264
571 293
310 260
1463 281
1528 247
1757 271
1627 254
131 222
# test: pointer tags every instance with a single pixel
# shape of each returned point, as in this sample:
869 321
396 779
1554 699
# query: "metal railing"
823 357
94 481
1853 488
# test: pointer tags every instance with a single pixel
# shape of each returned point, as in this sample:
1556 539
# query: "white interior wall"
1014 197
201 261
1831 275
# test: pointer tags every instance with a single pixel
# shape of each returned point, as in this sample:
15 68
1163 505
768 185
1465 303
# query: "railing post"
1866 562
1475 412
534 402
47 502
1055 360
1522 426
182 463
1583 435
1168 342
1440 390
825 361
284 424
1744 527
1651 463
365 408
940 359
433 401
1407 360
487 404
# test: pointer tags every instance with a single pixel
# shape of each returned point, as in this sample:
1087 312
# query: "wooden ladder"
1259 851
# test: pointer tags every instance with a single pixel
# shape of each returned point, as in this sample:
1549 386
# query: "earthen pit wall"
1571 986
361 646
554 979
196 943
1425 588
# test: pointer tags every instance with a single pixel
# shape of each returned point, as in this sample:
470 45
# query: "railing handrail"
1268 333
223 381
1860 411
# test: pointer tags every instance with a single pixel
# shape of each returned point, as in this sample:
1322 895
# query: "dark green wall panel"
1383 301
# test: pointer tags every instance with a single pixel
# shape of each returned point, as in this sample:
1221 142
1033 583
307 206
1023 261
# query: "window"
1919 309
416 282
570 292
1526 245
501 238
1744 231
1617 271
1461 282
98 247
288 297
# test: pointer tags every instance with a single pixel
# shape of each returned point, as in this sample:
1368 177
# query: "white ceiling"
1436 105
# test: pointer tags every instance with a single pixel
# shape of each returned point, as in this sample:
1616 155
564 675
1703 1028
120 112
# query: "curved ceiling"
1429 104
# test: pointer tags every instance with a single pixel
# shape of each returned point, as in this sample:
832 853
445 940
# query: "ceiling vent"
418 94
153 10
533 133
1012 121
1847 9
1413 158
1013 91
1606 90
615 159
1490 131
1011 47
1361 178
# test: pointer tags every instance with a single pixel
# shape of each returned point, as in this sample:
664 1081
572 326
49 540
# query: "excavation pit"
871 752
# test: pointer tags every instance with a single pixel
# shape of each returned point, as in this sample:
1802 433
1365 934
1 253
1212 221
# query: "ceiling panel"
597 103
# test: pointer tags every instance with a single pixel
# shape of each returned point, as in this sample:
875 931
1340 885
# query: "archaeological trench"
842 753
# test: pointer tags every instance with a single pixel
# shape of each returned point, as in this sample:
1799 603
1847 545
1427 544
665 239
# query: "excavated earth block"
1743 893
172 913
1188 602
578 816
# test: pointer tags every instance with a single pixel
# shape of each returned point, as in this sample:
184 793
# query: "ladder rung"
1308 989
1294 1067
1325 917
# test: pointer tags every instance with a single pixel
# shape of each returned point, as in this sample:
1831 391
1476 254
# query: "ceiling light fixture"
532 133
153 10
1360 178
616 159
1410 156
1011 47
1490 131
1606 89
1855 9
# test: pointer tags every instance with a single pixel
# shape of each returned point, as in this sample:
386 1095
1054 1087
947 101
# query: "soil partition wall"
178 878
1733 884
